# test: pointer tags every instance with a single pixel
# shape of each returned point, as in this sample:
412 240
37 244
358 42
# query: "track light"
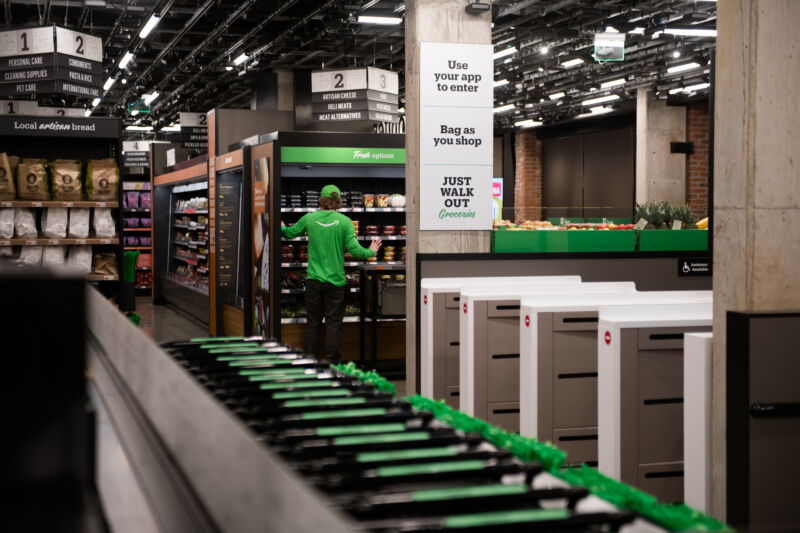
527 123
572 62
241 58
500 83
683 68
149 98
511 50
125 60
600 100
504 108
612 83
148 27
386 21
556 96
109 82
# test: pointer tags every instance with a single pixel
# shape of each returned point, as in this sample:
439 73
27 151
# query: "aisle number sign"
194 130
355 94
456 130
50 59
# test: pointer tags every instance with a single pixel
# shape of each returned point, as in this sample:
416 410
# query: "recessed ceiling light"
543 50
689 32
511 50
386 21
600 100
228 68
676 54
612 83
572 62
683 68
504 108
698 87
527 123
500 83
541 69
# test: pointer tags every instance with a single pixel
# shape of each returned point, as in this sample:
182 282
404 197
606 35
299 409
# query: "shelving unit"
304 162
137 182
180 239
85 139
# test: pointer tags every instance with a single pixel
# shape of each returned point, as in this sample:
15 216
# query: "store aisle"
164 324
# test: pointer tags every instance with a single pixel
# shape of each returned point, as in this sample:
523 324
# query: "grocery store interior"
400 266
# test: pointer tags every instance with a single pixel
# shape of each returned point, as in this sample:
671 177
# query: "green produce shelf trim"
479 491
372 377
505 517
326 393
238 361
671 516
241 349
408 436
344 413
318 383
364 429
278 377
430 468
324 403
215 339
414 453
273 371
231 345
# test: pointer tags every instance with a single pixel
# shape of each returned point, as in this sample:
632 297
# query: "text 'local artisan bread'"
32 180
102 178
8 164
66 179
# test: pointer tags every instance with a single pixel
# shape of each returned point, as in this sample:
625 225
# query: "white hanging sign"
77 44
27 41
18 107
456 130
193 120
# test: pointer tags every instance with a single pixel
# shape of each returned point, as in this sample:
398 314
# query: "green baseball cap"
331 191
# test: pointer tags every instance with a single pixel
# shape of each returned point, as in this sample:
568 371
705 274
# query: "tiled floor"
166 324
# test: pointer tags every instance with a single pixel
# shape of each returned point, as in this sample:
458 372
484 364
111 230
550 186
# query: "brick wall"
697 127
527 177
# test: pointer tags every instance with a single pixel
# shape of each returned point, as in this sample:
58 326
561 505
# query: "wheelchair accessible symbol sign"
694 267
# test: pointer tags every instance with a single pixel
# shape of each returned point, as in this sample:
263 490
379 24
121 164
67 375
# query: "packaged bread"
32 180
65 179
102 179
8 165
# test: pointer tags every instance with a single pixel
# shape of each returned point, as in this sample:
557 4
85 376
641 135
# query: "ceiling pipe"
253 55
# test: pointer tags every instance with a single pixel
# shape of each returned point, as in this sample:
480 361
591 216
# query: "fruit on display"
702 224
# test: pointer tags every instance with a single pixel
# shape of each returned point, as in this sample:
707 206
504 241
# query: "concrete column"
660 175
756 185
443 21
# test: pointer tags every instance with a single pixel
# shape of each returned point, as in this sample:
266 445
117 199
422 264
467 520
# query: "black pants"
324 300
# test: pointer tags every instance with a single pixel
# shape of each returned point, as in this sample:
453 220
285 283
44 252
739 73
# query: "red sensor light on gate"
425 299
608 337
465 309
527 321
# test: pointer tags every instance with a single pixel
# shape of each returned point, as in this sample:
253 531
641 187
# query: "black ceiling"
186 56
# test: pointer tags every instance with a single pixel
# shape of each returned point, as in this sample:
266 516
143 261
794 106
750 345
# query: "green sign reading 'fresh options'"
298 385
216 339
430 468
216 346
479 491
344 413
369 156
331 431
270 377
272 371
414 453
325 393
408 436
505 517
317 403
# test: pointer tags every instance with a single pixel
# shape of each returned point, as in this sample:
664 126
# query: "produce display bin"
504 241
655 240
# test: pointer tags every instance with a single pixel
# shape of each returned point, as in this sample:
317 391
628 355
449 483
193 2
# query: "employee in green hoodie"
329 233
